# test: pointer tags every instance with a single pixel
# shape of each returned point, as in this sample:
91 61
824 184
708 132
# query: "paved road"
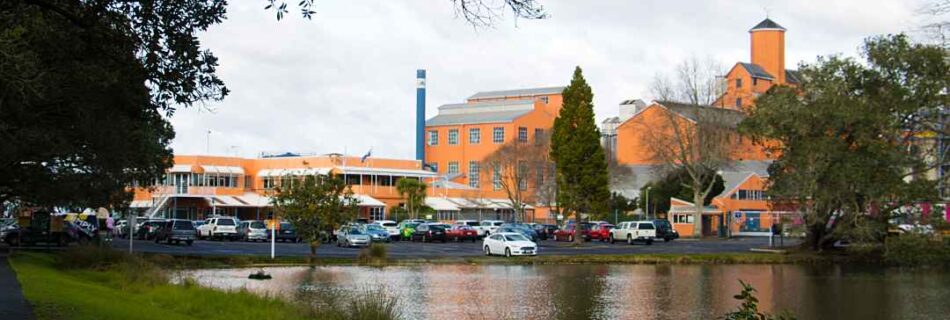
451 249
12 304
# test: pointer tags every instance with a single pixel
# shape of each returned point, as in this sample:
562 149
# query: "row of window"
749 195
200 180
475 135
474 173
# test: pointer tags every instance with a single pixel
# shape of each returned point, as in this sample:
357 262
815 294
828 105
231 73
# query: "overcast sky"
346 79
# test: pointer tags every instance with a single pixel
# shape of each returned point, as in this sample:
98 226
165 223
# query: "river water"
615 291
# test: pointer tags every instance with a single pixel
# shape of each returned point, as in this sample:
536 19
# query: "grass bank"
103 284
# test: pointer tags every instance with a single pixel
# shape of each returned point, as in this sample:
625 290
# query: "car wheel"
649 242
169 240
423 239
15 241
487 251
612 240
189 242
156 240
508 252
667 239
629 239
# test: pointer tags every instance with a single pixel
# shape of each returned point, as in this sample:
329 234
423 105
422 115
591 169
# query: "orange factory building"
200 186
743 208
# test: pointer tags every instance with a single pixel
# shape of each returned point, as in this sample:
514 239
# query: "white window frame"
433 138
473 174
474 135
498 135
453 136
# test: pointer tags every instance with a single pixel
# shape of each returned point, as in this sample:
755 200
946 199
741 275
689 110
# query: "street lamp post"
647 213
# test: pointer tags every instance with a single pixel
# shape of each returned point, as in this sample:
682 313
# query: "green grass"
58 293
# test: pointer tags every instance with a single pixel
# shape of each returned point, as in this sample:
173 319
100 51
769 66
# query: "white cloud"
346 78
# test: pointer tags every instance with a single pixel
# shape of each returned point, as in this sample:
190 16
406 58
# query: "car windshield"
497 223
257 225
184 225
464 227
437 227
389 224
225 222
515 237
472 223
375 227
286 226
354 231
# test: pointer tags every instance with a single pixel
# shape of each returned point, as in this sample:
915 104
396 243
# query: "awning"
506 204
441 204
293 172
180 168
387 172
223 169
140 204
367 201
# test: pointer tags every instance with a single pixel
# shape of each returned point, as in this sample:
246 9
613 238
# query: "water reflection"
612 291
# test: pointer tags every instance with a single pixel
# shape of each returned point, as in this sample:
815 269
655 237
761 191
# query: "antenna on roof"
767 10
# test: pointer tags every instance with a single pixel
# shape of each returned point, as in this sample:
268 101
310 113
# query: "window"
473 171
434 166
474 135
377 213
433 138
268 182
454 136
498 135
738 102
496 177
538 136
738 83
522 134
522 175
749 195
453 167
544 99
683 218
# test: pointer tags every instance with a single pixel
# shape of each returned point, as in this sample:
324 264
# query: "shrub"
916 250
90 257
376 253
749 309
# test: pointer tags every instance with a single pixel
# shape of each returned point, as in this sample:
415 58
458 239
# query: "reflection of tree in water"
576 290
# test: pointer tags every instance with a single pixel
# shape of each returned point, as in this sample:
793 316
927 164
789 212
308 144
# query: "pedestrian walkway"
13 305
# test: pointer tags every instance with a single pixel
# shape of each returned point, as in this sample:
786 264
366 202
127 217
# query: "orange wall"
768 51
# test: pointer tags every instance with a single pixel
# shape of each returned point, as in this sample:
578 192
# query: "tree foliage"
518 166
856 139
414 191
315 205
578 156
478 13
84 90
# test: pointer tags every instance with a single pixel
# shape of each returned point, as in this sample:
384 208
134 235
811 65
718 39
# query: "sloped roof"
481 112
732 180
793 76
767 24
757 71
517 92
642 174
694 112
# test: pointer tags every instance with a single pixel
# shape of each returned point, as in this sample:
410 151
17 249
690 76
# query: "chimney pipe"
420 115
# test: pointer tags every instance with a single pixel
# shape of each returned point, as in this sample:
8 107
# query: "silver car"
352 237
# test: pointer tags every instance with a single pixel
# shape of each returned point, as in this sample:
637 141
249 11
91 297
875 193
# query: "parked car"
634 231
148 229
569 233
471 223
428 232
377 233
488 227
406 229
390 227
352 237
665 231
176 231
530 234
41 226
219 228
198 224
286 232
600 231
462 232
509 244
253 230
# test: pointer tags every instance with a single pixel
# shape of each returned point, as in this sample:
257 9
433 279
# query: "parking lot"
406 250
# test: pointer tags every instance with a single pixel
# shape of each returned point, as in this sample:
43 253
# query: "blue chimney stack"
420 115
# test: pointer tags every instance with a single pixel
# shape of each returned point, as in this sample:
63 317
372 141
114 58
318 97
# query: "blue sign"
738 215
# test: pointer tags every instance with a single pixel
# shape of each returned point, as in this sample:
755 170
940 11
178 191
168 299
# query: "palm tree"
414 191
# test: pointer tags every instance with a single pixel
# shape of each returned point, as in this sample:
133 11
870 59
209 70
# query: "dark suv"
664 230
177 231
428 232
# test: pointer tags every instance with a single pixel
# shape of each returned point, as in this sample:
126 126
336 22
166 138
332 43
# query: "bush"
916 250
749 309
90 257
329 303
376 253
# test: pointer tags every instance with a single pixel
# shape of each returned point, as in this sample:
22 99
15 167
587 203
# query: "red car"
461 233
568 232
600 231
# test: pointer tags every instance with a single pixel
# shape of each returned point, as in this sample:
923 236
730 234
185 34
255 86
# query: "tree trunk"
314 244
698 215
578 231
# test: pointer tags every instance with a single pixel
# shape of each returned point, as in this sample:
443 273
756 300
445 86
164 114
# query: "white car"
487 227
390 227
509 244
634 231
219 228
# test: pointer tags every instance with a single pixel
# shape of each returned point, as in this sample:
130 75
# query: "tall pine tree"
580 160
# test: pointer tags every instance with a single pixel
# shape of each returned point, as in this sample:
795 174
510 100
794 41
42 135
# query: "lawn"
107 294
